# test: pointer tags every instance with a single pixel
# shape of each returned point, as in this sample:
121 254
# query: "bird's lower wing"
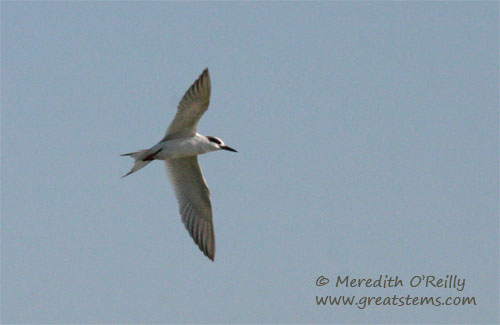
193 197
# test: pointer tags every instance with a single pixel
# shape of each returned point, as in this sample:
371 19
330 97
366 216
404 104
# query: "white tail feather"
138 163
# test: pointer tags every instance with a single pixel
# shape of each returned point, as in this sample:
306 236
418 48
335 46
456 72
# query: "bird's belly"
178 148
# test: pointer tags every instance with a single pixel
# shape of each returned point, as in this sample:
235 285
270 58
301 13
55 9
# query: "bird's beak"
228 148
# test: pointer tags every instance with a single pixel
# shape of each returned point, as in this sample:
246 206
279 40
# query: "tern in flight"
180 148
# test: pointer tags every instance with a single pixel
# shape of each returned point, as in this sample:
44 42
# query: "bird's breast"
181 148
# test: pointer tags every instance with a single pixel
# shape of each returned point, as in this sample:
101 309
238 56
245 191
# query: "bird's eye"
214 139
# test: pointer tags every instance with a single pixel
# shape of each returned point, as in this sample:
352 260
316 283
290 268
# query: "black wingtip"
205 73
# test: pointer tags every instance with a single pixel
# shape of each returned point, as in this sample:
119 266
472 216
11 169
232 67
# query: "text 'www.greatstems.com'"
398 301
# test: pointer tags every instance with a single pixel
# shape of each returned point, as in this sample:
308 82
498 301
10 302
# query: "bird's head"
219 144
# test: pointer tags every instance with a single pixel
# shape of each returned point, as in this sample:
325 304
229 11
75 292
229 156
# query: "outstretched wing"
193 197
191 107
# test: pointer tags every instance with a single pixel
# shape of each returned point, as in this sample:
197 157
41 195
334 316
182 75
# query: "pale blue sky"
368 144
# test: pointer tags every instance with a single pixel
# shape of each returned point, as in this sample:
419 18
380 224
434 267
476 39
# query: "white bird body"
184 147
179 149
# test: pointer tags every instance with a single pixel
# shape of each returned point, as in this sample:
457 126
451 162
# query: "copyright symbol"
321 281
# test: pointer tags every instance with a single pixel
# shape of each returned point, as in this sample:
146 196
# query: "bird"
179 149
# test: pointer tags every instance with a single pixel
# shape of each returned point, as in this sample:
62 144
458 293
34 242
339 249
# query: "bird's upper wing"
193 197
191 107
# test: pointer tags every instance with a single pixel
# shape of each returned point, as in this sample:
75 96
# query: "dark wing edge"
202 231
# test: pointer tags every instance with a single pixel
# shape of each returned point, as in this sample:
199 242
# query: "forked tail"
141 160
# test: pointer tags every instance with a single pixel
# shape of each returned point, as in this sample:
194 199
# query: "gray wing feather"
190 109
193 197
